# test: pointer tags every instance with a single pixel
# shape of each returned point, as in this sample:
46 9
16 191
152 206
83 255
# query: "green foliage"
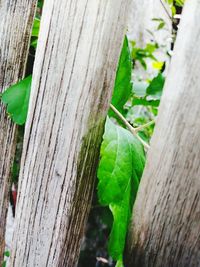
6 254
120 169
35 32
141 54
144 91
161 23
40 3
123 85
122 155
16 98
176 2
173 4
156 86
36 27
180 3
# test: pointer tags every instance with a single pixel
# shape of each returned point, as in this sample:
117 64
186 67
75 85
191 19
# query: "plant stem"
144 126
166 10
131 129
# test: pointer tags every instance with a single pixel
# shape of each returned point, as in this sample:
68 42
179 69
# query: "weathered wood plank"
15 29
73 78
166 218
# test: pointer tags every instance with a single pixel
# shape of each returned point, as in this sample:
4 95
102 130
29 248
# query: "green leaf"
173 10
40 4
34 42
123 85
120 169
7 253
35 32
180 3
156 86
141 54
161 26
36 27
16 98
119 263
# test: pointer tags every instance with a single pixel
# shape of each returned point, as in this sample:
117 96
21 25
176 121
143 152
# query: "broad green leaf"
121 217
16 98
123 85
120 169
119 151
156 86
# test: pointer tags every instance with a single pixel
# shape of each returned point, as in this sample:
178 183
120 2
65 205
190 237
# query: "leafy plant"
141 54
35 32
16 98
123 84
122 154
120 169
155 88
175 3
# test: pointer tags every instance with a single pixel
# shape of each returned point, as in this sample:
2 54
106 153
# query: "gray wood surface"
77 56
165 230
15 29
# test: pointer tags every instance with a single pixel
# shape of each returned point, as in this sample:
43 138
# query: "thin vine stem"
142 127
131 128
170 17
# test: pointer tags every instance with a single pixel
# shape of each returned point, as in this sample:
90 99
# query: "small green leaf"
16 98
156 86
120 169
161 26
123 85
7 253
36 27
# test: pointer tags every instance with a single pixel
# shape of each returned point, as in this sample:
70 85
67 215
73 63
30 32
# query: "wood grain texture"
15 29
74 73
165 229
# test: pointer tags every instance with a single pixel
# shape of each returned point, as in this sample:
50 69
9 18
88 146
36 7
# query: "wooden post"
15 30
166 217
73 78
